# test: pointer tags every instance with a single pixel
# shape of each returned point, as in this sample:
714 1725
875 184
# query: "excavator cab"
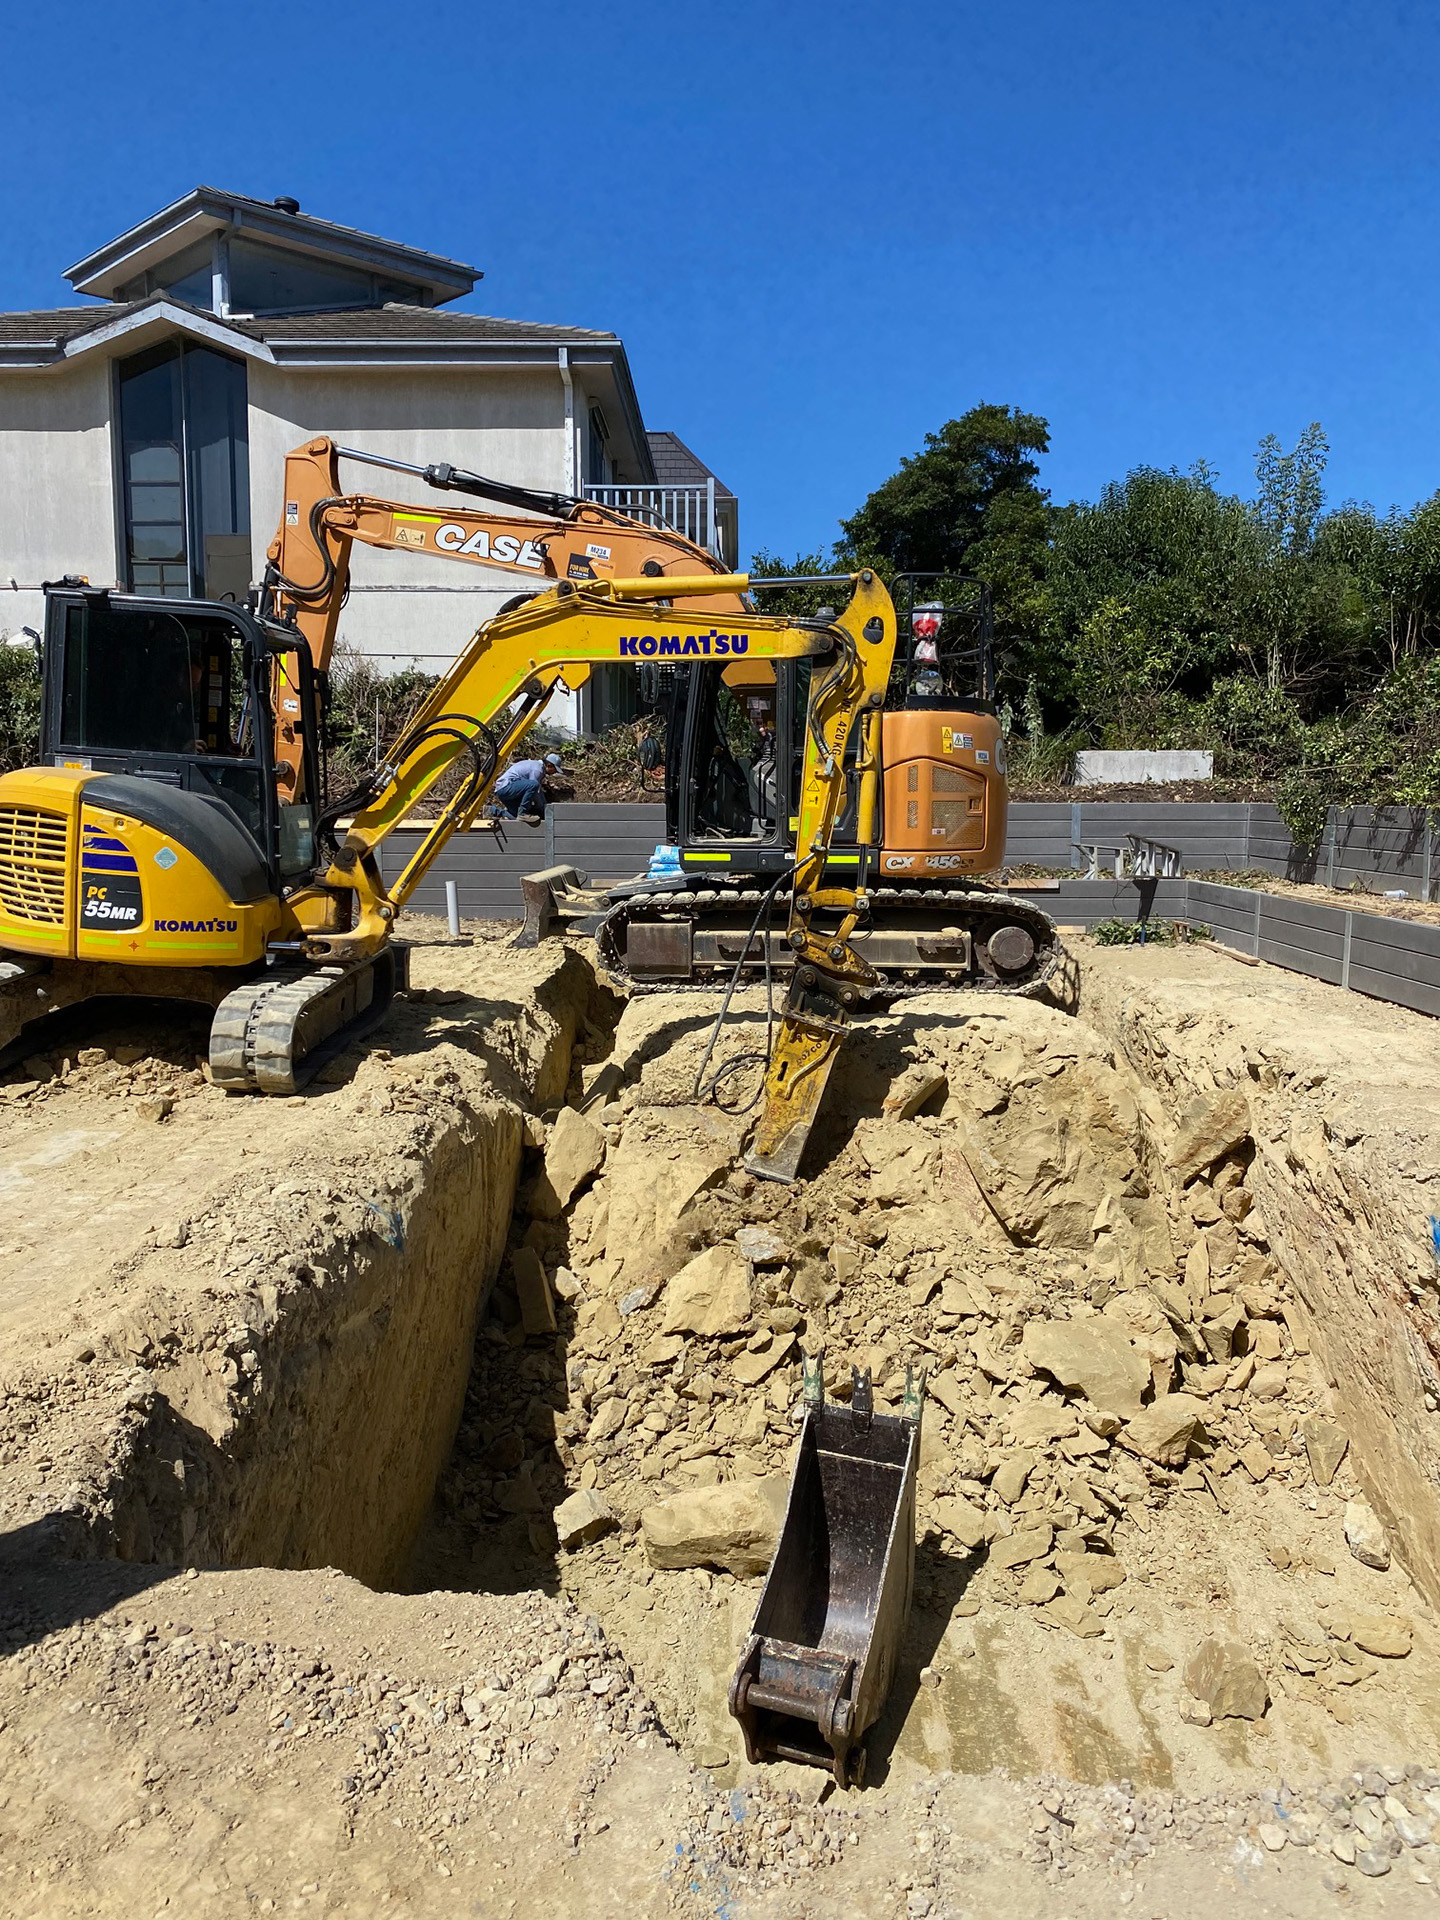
180 695
921 823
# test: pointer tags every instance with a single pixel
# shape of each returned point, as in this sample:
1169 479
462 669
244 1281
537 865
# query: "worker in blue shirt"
520 790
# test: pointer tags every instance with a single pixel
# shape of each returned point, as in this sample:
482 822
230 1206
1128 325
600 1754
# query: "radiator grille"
32 864
952 780
961 821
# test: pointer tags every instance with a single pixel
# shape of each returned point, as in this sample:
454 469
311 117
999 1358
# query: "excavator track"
950 932
273 1034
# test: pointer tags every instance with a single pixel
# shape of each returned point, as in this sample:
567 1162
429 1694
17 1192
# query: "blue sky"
823 229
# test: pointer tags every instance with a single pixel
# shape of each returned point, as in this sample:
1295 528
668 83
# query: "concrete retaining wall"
1390 959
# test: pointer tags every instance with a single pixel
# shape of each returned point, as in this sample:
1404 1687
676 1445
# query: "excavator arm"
555 539
500 682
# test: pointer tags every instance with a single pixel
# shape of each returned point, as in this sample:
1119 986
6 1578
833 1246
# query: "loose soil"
485 1721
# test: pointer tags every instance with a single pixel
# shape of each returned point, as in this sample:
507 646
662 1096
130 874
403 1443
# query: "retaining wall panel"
1282 953
1423 996
1397 962
1407 936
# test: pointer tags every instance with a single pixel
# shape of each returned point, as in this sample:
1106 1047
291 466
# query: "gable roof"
209 210
415 334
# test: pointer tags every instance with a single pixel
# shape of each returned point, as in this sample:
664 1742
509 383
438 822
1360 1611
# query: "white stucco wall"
57 491
505 422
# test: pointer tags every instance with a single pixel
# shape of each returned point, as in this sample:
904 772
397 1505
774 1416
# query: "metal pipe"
803 580
452 908
569 385
379 460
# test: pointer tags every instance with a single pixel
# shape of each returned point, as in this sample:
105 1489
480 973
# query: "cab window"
135 681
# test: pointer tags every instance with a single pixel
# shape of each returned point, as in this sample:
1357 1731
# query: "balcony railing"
691 510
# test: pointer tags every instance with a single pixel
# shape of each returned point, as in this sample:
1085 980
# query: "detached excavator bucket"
821 1656
554 899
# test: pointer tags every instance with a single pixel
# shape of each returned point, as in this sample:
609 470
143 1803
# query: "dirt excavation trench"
386 1474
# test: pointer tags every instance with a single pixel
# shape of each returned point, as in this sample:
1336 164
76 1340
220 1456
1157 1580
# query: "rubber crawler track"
979 910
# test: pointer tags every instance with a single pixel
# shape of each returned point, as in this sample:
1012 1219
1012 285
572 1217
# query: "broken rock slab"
917 1085
1166 1431
573 1152
1325 1447
532 1288
761 1246
1009 1478
710 1295
1019 1549
1365 1536
583 1517
1224 1675
651 1182
734 1525
1093 1356
1209 1129
751 1367
1037 1423
969 1524
1379 1633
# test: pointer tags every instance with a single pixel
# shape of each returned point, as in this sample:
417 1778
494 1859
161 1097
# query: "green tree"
1289 592
1175 554
968 502
928 516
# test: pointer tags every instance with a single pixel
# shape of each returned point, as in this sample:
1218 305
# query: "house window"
598 466
274 280
187 275
185 473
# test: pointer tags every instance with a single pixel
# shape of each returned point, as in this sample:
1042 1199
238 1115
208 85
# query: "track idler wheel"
1010 950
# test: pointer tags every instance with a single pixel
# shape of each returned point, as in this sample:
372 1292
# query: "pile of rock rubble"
1088 1290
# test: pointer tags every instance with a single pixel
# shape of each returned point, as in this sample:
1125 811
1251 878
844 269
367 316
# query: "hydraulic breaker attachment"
828 982
819 1663
795 1082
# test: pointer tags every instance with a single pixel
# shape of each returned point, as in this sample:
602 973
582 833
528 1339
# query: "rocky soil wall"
250 1341
1343 1105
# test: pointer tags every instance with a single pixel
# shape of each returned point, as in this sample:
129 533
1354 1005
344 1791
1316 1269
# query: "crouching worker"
522 788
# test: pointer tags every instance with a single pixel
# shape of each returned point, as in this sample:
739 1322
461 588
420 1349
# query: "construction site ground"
331 1579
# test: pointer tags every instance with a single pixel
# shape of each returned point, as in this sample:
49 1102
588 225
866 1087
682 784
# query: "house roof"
677 466
395 322
36 338
209 210
51 328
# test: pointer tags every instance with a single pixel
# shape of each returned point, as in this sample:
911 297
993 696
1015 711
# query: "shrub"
19 706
